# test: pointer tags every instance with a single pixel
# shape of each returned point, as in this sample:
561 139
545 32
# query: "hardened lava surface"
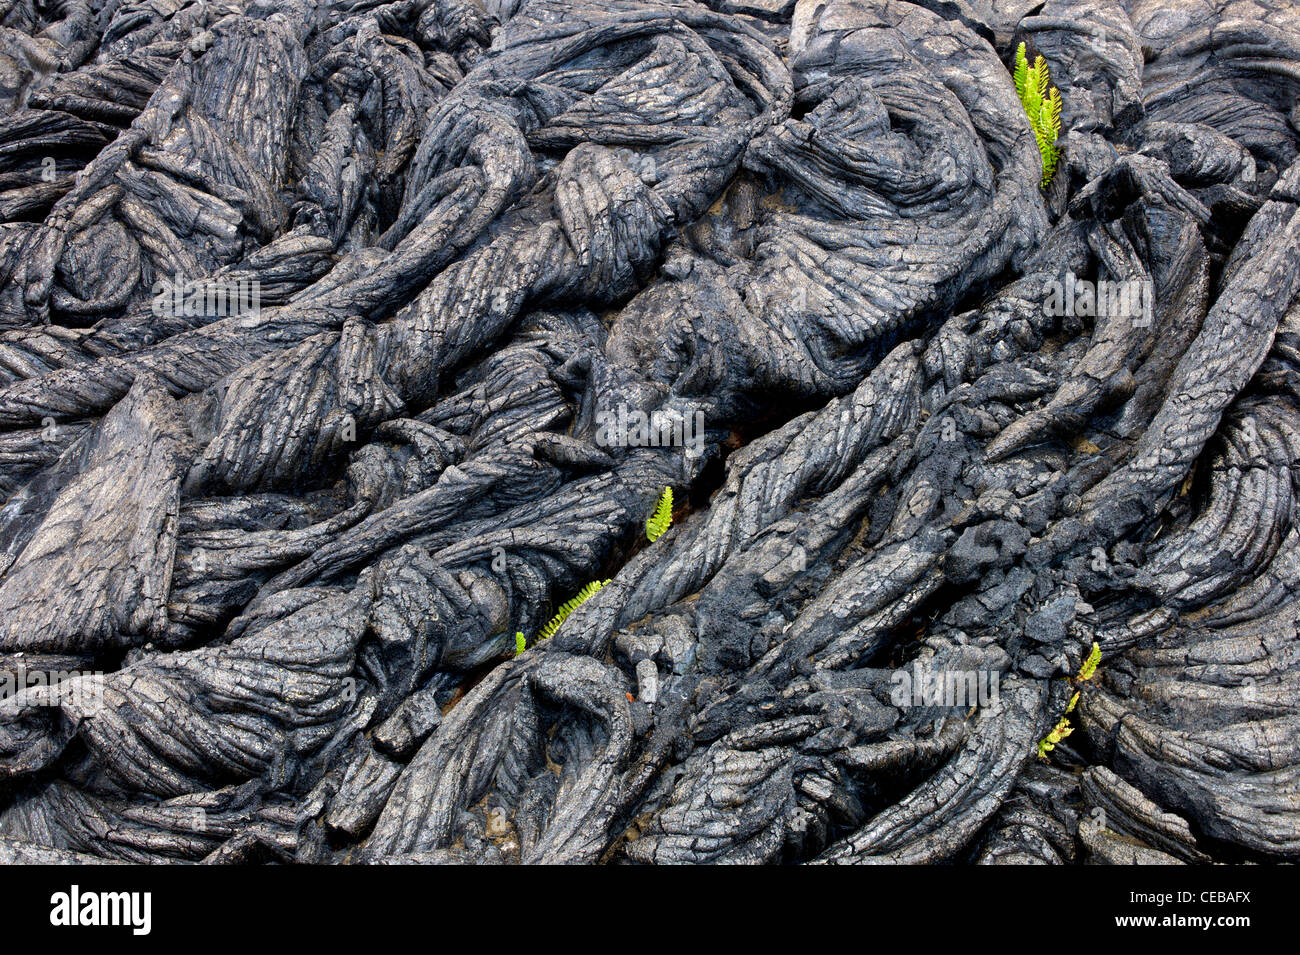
273 559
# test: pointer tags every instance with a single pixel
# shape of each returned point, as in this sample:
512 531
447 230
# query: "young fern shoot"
585 594
662 518
655 527
1060 732
1087 670
1042 103
1089 666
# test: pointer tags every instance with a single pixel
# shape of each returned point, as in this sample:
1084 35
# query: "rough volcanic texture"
278 555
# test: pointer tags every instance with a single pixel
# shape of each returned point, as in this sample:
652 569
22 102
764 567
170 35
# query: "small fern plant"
1089 665
662 518
1087 670
552 625
1042 103
1059 732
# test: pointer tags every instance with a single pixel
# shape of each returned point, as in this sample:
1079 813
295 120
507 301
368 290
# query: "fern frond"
1058 733
520 643
1048 130
1063 728
1042 77
1089 666
585 594
1021 73
662 518
1034 88
1051 115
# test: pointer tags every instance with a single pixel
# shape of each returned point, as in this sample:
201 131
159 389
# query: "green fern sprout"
520 643
552 625
1059 732
1021 73
1048 742
662 518
1042 103
1089 666
1087 670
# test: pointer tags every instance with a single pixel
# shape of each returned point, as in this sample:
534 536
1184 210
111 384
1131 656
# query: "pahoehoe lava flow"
898 497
